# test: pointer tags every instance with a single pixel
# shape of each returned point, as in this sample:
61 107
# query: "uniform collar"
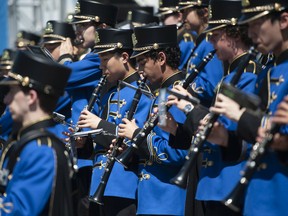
36 126
236 62
282 58
172 79
132 77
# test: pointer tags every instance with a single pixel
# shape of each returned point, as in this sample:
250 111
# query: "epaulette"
177 82
186 36
253 67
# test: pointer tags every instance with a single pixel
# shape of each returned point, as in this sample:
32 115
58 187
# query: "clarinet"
235 199
95 95
99 193
199 139
125 157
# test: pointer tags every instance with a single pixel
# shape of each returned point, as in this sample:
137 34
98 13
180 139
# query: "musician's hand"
80 141
171 125
173 100
88 120
127 128
120 149
66 47
226 106
218 135
280 141
281 114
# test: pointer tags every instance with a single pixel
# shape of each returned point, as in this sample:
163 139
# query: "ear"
125 57
32 96
284 21
162 58
206 12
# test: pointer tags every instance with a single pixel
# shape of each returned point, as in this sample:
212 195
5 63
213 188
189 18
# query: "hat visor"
78 21
183 7
9 81
249 17
138 53
213 27
101 50
51 41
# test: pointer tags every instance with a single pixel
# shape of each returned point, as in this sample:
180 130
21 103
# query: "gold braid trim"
276 7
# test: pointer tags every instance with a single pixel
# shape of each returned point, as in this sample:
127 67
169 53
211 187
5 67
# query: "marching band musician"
158 57
203 87
89 15
114 48
268 21
35 175
54 34
218 175
170 14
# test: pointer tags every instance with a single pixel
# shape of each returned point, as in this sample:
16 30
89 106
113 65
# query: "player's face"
112 66
150 68
17 102
266 35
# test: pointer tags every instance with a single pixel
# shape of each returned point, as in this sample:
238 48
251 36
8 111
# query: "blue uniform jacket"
218 177
156 195
267 191
186 46
31 185
121 183
83 80
205 83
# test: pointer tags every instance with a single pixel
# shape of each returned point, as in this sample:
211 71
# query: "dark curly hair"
240 31
172 56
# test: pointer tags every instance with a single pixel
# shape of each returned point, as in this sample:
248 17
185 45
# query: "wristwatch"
188 108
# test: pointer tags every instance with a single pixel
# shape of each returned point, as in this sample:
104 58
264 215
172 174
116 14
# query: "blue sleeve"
207 80
85 73
31 185
158 144
6 124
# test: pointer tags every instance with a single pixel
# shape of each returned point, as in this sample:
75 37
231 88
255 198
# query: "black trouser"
81 190
215 208
114 206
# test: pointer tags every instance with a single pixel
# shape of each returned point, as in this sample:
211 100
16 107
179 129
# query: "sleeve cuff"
64 58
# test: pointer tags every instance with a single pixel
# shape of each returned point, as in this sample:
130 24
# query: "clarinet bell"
98 195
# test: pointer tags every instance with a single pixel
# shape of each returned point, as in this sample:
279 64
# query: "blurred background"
31 15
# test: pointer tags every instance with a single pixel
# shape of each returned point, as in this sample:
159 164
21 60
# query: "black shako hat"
143 17
254 9
30 70
168 7
147 38
56 32
25 38
193 3
223 13
89 10
7 58
111 39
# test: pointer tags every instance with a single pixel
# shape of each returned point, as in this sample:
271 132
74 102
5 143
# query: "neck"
167 74
129 71
280 49
239 50
32 115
